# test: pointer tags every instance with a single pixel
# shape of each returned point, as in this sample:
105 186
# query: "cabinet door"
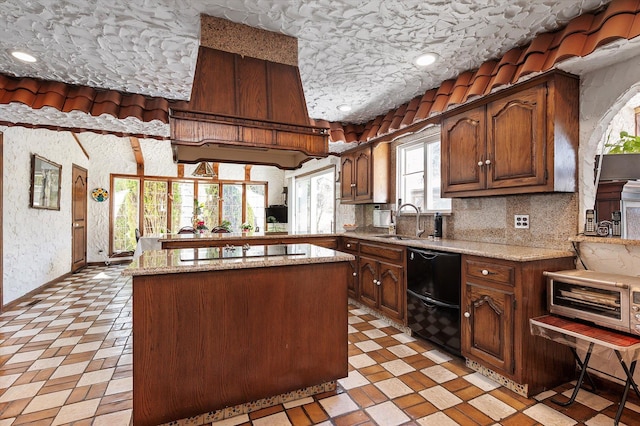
368 281
487 327
347 184
392 291
362 175
517 140
352 279
463 152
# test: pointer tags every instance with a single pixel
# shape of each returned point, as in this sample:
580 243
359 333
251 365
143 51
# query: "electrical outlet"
521 221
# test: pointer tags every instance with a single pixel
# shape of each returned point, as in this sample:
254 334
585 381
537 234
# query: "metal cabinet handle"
348 245
353 185
467 314
487 162
480 163
355 274
485 272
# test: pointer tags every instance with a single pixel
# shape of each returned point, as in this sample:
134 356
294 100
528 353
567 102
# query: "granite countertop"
156 262
497 251
491 250
213 236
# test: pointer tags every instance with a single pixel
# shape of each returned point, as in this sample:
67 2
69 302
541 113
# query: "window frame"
425 139
169 181
293 195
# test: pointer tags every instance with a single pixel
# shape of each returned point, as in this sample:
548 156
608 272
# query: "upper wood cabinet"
521 140
364 175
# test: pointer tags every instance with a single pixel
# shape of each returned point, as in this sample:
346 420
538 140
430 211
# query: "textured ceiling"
357 52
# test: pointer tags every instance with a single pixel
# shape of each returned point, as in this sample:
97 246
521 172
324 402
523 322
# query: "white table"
147 243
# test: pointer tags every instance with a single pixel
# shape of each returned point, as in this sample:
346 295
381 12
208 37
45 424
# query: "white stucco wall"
36 243
603 93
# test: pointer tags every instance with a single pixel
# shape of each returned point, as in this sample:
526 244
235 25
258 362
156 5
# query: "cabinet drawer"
350 245
503 274
394 254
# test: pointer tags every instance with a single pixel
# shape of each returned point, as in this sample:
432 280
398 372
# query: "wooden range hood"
247 104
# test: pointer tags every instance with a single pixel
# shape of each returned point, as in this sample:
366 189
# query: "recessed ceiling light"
426 59
344 108
25 57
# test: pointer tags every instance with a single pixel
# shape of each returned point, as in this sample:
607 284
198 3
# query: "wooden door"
368 281
363 175
463 152
516 139
347 182
392 292
79 212
487 328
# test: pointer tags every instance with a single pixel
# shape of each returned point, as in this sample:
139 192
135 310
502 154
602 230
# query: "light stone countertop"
605 240
491 250
156 262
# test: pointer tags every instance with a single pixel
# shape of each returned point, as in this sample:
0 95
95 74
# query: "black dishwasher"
433 297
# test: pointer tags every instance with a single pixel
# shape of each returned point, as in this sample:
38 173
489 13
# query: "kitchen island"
225 327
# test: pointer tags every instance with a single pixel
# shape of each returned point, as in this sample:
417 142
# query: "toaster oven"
607 300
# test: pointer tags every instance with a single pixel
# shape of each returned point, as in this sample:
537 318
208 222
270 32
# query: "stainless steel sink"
396 237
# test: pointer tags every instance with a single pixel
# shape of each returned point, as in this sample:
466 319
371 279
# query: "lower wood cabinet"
378 279
489 335
498 299
381 287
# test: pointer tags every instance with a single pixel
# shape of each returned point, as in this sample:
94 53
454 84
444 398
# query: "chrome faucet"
419 231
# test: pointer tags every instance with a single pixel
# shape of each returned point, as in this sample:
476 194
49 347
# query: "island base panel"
209 340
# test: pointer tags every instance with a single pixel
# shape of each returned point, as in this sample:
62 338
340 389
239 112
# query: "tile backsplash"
553 220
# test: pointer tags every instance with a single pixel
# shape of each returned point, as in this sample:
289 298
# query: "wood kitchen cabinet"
498 299
521 140
364 175
381 279
351 246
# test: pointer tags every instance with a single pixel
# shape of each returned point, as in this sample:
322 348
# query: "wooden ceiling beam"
75 136
137 153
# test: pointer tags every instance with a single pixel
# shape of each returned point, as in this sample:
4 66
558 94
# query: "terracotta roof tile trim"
580 37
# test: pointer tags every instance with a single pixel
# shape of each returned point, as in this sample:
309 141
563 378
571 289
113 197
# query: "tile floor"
65 358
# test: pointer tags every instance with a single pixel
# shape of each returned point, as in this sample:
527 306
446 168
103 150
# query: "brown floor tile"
298 417
45 416
462 419
383 375
518 419
470 392
456 385
361 398
13 408
374 369
512 399
315 412
420 410
408 400
352 419
474 414
374 393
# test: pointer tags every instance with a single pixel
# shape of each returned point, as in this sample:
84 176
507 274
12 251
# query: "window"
419 174
159 205
314 202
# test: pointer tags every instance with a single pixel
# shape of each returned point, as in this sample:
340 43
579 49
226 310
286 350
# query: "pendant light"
204 169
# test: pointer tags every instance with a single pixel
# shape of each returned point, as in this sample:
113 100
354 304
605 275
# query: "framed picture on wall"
45 183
